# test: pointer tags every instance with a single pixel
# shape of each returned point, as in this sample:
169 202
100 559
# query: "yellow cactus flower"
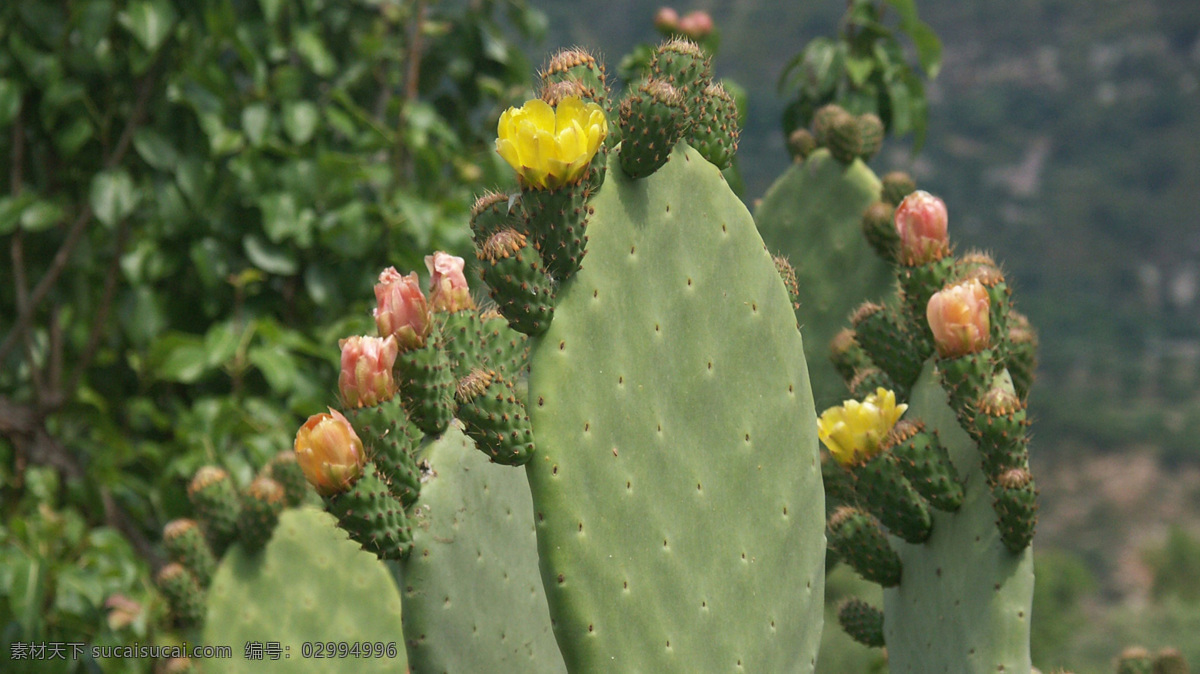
854 431
551 147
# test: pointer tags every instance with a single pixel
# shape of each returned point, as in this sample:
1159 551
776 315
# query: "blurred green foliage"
866 69
199 197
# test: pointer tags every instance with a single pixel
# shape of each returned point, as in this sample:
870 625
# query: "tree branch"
63 256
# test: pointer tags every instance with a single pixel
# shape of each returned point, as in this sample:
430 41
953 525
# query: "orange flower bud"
401 309
696 25
366 376
448 285
330 453
958 317
921 222
666 20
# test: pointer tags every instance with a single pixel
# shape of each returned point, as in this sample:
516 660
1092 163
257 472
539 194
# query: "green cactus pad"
676 486
519 284
473 598
390 439
184 542
685 65
426 383
310 584
964 605
813 215
495 418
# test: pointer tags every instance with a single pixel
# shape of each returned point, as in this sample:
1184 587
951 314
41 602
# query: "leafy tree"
198 195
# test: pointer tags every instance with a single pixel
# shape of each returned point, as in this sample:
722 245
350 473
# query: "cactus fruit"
261 505
308 586
863 622
518 281
216 502
186 545
183 593
284 469
653 118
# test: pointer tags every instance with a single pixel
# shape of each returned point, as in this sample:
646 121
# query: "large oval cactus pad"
959 609
678 497
813 216
309 584
473 600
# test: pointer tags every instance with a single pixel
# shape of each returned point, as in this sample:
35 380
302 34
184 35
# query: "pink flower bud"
401 309
447 285
330 453
958 317
921 223
696 25
666 20
366 376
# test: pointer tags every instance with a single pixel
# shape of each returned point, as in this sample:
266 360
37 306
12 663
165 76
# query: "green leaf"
179 357
10 101
300 121
11 211
271 259
907 9
221 343
112 196
41 215
256 118
70 138
150 22
277 366
312 49
929 48
859 69
155 149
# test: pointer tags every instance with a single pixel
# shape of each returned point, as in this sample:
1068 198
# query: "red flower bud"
330 453
959 318
366 376
697 25
448 285
921 221
401 309
666 20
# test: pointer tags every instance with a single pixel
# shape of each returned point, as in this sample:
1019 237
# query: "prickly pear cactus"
473 598
939 508
664 418
676 485
309 585
964 602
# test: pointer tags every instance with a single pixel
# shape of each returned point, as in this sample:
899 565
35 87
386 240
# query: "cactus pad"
310 584
676 486
473 599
